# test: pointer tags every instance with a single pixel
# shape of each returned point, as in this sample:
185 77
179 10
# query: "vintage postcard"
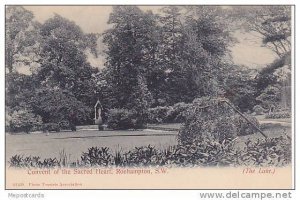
149 97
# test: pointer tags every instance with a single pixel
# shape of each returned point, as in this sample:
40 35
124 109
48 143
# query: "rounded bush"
208 118
24 121
168 114
159 114
178 112
121 119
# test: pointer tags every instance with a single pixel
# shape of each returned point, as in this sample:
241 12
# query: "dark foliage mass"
60 80
177 57
121 119
172 66
213 118
205 140
153 61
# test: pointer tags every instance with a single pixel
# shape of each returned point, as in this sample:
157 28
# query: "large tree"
63 81
21 38
179 53
21 50
64 64
193 44
131 52
172 75
205 48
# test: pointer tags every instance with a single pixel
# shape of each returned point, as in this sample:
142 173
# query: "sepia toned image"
149 97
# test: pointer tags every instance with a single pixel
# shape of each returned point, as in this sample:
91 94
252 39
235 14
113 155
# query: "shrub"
121 119
24 120
143 156
244 127
208 117
58 105
64 125
177 114
270 97
97 157
266 152
33 161
204 152
258 109
224 129
158 114
50 127
279 115
168 114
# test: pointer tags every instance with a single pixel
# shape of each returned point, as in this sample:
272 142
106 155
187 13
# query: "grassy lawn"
270 131
263 119
74 143
167 127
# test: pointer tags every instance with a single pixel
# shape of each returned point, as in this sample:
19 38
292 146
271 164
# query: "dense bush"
50 127
244 127
270 97
278 115
33 161
266 152
121 119
62 125
55 105
214 118
258 109
210 118
158 114
204 152
142 156
168 114
178 112
24 121
97 157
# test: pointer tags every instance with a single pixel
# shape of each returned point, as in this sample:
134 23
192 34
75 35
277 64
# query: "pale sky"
93 19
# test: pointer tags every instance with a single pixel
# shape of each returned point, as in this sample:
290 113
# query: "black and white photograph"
130 90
